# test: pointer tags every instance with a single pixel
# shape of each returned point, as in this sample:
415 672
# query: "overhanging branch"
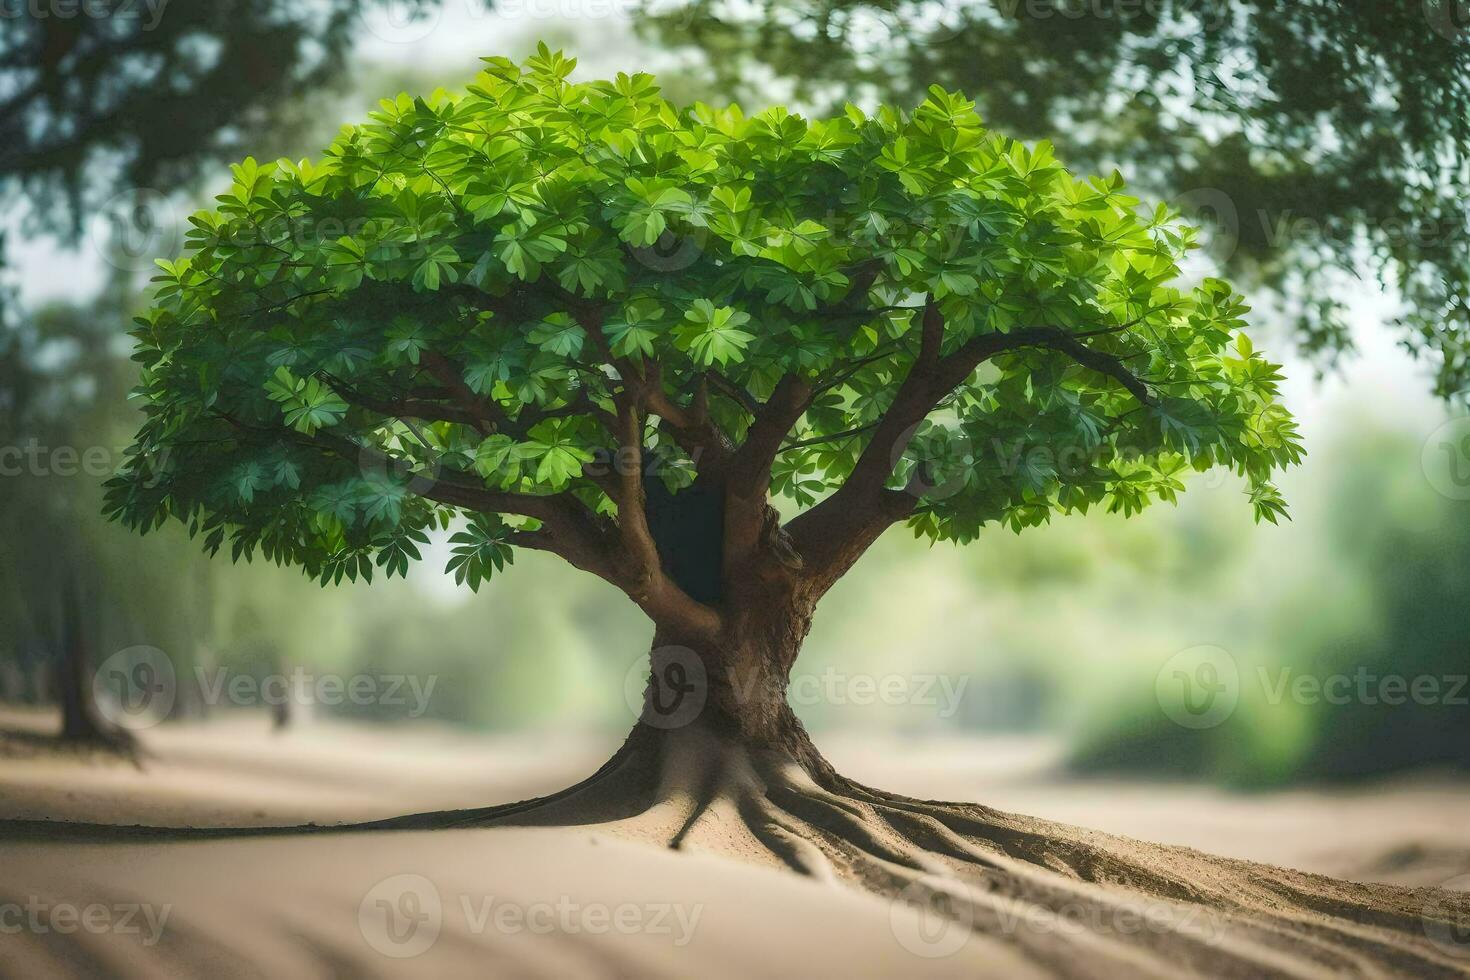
833 534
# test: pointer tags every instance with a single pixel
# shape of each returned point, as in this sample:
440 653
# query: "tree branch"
832 535
734 391
484 413
931 334
749 476
642 576
416 408
568 528
833 437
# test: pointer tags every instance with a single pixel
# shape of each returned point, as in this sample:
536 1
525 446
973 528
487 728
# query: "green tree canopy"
1326 141
512 303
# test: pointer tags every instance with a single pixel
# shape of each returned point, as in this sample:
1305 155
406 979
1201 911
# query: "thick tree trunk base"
1064 895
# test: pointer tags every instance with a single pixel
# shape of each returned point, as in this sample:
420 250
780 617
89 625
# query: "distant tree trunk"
41 678
12 677
81 721
192 703
287 709
281 714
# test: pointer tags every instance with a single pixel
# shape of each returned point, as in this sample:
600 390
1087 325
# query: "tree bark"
82 722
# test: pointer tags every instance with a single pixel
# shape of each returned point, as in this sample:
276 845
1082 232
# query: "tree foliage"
1324 140
519 303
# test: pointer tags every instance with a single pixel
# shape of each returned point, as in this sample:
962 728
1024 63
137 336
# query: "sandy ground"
1410 830
566 902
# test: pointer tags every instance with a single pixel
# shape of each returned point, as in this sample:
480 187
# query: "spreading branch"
746 489
831 536
568 528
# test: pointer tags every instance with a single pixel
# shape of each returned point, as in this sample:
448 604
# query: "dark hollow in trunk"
688 530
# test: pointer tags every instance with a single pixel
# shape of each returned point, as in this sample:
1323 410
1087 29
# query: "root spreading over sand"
1075 902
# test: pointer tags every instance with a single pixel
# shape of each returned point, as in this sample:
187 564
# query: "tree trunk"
82 723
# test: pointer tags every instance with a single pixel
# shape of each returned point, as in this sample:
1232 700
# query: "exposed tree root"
1074 901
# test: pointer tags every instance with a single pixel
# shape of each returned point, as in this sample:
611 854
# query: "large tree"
463 313
465 309
1323 141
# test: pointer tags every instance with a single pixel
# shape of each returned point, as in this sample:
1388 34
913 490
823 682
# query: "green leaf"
558 334
558 452
479 551
308 403
721 254
406 340
712 335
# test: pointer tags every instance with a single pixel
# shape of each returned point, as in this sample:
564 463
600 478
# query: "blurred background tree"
149 94
97 104
1323 141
